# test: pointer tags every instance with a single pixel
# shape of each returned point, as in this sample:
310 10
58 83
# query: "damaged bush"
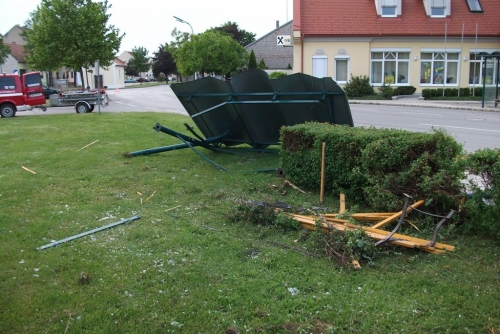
345 246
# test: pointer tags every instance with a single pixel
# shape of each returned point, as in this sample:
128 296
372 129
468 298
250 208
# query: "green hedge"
375 166
451 92
483 208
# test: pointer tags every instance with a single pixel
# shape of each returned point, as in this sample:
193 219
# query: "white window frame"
475 57
447 61
386 52
441 4
314 59
381 4
346 58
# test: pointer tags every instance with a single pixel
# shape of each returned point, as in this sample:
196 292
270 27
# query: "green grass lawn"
185 266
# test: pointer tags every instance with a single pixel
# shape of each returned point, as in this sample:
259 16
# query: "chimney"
277 24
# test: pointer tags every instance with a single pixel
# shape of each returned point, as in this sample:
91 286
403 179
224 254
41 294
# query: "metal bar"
204 157
230 95
255 102
438 226
401 219
55 243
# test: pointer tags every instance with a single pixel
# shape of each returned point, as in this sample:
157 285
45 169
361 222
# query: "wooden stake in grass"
28 170
92 143
322 187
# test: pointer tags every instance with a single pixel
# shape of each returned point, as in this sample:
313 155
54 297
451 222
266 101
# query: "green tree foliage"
131 72
71 33
4 51
252 61
209 52
140 60
163 62
231 29
262 64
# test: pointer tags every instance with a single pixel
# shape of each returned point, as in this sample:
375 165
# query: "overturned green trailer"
251 109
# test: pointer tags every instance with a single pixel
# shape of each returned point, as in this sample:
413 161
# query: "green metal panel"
252 108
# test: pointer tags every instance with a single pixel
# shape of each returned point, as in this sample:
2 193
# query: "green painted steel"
252 108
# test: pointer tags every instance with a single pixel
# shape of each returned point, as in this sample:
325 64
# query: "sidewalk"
415 102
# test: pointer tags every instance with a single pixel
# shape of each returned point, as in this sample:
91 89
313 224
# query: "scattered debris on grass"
56 243
28 170
92 143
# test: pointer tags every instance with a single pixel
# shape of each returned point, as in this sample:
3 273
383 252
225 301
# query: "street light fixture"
182 21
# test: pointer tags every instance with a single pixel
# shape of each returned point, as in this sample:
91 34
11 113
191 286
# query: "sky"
149 23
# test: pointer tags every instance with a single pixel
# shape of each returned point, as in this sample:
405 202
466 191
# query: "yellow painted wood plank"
397 215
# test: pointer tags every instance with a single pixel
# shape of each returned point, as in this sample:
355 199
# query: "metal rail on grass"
56 243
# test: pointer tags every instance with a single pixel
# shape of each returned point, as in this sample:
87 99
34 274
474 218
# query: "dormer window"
474 6
388 8
438 8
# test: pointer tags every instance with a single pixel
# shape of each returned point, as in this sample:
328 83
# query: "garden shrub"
278 74
374 166
387 91
483 208
404 90
358 86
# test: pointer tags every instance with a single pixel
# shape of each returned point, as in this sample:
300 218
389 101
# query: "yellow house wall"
359 53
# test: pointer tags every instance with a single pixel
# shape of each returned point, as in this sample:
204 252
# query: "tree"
140 60
131 72
231 29
262 64
4 51
209 52
252 62
163 62
71 33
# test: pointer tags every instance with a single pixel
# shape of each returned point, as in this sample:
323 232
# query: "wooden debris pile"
327 222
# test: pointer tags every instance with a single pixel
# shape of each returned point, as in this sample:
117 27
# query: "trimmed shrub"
278 74
465 91
358 86
252 61
387 91
404 90
483 208
375 166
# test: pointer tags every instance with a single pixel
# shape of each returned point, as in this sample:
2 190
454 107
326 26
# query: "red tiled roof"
17 51
118 61
359 18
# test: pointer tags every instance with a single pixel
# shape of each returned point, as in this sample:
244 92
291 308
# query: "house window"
476 70
319 66
341 69
388 8
474 6
438 8
439 68
390 68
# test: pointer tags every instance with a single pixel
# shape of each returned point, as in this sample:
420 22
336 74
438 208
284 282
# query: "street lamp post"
182 21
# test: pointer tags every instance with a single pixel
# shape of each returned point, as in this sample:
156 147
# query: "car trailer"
84 101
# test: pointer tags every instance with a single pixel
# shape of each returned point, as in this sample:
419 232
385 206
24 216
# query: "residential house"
112 77
422 43
125 56
275 48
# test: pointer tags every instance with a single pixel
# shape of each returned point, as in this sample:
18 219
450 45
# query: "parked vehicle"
130 80
84 101
143 80
49 91
20 93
